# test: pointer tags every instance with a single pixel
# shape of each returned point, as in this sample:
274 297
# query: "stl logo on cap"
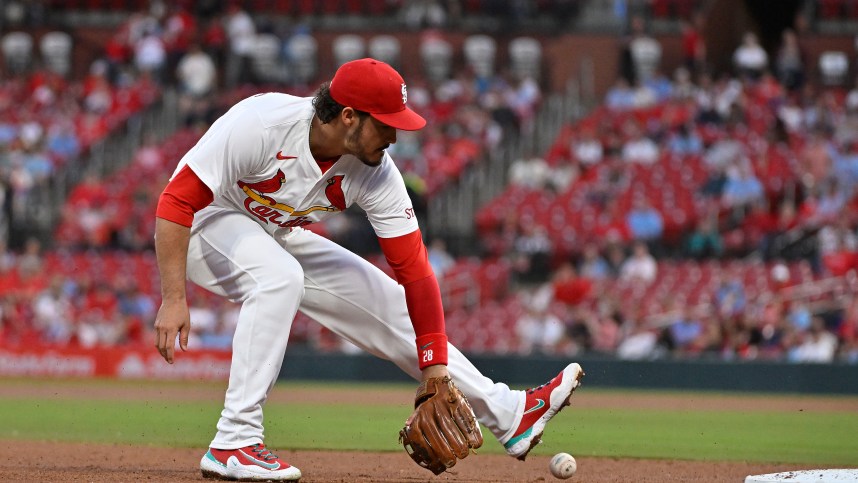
371 86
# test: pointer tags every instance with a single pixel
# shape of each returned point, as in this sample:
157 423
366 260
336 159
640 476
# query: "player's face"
368 140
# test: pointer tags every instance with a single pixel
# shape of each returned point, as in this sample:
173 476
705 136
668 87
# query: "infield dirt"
61 462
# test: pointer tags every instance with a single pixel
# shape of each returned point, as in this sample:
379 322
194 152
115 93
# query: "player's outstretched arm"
184 195
171 248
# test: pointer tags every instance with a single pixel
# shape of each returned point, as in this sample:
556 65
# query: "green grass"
806 437
825 438
149 423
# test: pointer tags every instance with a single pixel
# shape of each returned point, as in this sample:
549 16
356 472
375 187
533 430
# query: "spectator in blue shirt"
439 257
660 86
685 141
62 141
730 298
684 330
8 132
593 265
742 187
644 221
37 163
620 96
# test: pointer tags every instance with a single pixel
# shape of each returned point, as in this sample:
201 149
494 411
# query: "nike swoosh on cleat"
268 466
281 157
539 404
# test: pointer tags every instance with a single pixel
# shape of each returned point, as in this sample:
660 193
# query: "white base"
807 476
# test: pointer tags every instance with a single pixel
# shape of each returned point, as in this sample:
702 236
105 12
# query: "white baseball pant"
233 256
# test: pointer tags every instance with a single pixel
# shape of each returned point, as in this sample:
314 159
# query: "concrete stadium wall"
601 372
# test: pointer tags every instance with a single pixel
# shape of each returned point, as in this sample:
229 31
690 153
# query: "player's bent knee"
284 281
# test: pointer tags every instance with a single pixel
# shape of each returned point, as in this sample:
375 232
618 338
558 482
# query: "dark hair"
326 107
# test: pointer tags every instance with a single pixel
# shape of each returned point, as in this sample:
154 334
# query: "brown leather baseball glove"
442 429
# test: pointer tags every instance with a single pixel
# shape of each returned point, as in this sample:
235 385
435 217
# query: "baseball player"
230 220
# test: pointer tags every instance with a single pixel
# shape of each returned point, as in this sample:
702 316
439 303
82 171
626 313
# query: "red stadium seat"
830 9
473 6
660 8
305 7
354 7
376 7
331 7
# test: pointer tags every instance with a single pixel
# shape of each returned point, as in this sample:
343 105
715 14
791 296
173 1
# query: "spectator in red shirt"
693 46
786 219
214 40
754 227
91 128
570 288
180 27
838 248
611 223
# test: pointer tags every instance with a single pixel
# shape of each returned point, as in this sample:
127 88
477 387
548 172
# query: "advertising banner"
113 362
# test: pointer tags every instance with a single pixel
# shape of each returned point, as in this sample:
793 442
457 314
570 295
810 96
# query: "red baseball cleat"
540 405
251 463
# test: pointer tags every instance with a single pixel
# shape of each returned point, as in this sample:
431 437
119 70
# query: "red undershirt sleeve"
184 195
409 260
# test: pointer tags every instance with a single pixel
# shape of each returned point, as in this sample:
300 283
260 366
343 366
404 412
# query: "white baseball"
563 465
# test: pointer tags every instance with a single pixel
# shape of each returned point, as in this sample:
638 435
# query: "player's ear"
349 117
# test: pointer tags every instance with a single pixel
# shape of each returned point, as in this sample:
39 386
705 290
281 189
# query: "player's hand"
442 429
173 319
435 371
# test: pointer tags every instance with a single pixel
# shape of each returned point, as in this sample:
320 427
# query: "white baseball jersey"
256 159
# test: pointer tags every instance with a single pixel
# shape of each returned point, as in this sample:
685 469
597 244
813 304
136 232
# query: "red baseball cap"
374 87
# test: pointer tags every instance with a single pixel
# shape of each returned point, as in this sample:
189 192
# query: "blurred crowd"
77 300
701 214
470 110
756 165
740 314
48 120
212 54
94 299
